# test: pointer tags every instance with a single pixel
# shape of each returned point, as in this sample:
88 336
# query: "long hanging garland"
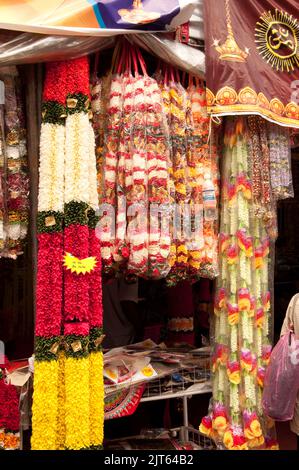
242 307
193 157
68 382
14 185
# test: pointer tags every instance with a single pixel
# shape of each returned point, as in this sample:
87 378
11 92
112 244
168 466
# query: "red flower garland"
56 82
95 283
49 281
76 287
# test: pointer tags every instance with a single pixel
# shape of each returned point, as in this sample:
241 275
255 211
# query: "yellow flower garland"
77 403
45 405
96 388
60 431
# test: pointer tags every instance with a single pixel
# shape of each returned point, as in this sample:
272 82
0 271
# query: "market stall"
149 173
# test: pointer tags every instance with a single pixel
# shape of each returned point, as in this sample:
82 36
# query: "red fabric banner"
252 58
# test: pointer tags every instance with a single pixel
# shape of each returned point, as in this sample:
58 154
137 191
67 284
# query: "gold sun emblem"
277 39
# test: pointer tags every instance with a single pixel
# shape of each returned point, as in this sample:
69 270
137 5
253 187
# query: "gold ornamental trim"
229 101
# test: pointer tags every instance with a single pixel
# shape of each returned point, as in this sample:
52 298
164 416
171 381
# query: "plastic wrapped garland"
135 177
280 161
100 88
110 162
204 176
157 162
242 314
15 182
175 102
146 172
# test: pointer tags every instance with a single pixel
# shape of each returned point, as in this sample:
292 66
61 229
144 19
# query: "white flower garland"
265 271
250 330
215 385
233 280
248 272
234 398
240 156
92 171
249 387
233 219
234 339
259 401
223 324
51 169
217 329
224 269
266 324
77 128
221 378
243 270
259 342
245 327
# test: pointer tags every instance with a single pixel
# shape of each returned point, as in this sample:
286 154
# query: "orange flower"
206 425
228 439
233 313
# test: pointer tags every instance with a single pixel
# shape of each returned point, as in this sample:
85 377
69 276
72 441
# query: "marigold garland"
45 405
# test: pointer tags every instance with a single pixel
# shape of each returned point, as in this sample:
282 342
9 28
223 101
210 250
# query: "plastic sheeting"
94 17
21 48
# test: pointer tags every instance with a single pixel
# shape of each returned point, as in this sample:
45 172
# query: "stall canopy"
91 17
34 31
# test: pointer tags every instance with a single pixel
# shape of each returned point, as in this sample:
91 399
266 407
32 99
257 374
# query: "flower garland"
154 158
69 309
191 159
134 236
280 161
9 415
242 306
265 206
15 180
110 161
157 173
178 129
136 175
203 160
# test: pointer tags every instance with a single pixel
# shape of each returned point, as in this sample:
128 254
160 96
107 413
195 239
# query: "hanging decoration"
279 139
157 172
14 185
243 38
69 301
242 314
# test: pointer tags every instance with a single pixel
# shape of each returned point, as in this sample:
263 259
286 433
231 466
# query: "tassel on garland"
68 361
